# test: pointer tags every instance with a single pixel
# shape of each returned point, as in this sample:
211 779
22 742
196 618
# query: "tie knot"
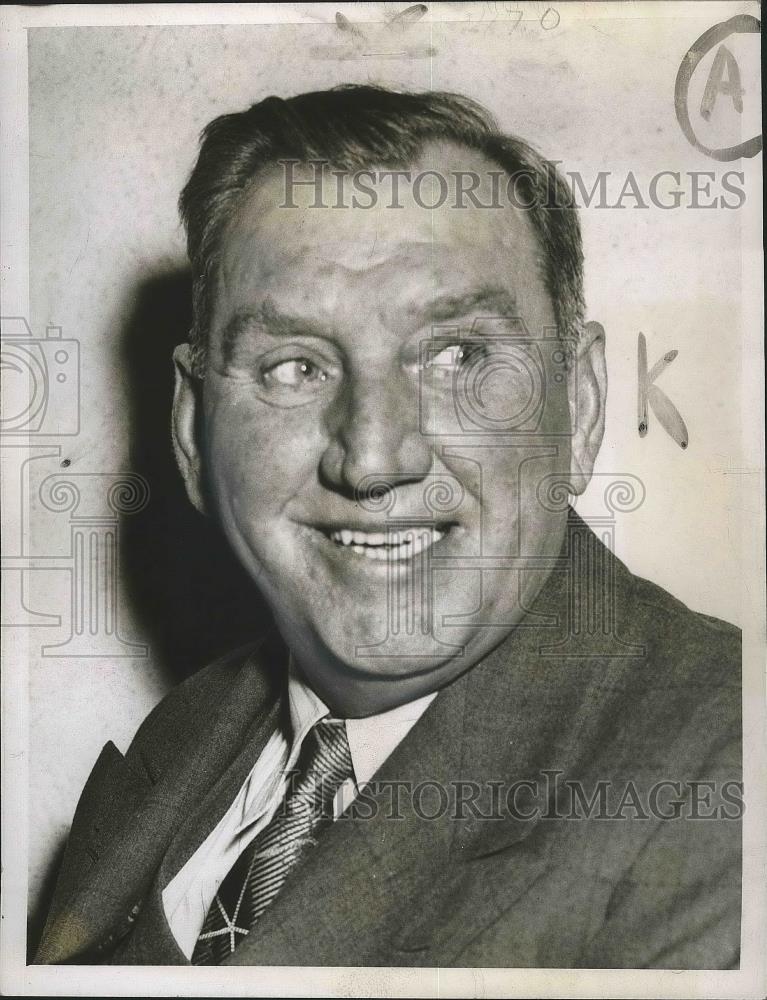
326 749
324 764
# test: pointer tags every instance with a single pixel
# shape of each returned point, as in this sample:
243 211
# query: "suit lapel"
201 819
111 792
533 720
103 906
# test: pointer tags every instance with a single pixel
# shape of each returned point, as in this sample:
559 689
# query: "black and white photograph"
383 500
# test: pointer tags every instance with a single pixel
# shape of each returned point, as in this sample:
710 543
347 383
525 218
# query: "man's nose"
374 432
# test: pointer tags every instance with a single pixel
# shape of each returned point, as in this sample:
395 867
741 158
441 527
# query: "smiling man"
390 389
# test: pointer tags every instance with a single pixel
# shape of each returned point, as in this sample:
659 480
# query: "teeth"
383 546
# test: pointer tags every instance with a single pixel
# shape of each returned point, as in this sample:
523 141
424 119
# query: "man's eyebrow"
274 322
491 300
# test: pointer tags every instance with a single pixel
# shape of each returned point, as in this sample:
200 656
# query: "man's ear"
587 388
187 411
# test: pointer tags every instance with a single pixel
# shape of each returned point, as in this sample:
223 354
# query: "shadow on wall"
185 586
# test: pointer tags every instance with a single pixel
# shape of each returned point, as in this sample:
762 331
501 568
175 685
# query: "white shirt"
187 897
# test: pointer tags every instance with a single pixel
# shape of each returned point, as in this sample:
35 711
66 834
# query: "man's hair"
362 128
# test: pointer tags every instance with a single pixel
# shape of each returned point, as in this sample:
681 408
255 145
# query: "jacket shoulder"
679 646
678 700
691 646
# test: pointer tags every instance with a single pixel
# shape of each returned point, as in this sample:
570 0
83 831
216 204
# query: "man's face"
383 402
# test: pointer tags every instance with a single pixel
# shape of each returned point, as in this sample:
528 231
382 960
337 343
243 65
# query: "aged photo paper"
382 437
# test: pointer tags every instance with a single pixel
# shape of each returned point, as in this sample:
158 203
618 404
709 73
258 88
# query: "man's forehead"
366 214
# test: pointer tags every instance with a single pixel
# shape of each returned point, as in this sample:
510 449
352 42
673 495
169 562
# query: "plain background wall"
114 118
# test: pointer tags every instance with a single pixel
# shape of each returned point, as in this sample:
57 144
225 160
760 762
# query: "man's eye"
294 373
454 357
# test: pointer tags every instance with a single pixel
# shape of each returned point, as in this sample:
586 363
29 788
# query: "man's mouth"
394 545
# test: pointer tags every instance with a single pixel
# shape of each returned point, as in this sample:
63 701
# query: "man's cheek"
244 432
556 411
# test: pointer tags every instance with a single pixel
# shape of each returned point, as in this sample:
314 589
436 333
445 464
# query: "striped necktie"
261 870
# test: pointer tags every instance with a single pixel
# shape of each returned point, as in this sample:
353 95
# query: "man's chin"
365 685
373 647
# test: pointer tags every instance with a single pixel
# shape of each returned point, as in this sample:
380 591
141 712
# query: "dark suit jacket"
610 681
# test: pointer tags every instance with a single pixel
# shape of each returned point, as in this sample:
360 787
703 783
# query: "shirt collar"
371 740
